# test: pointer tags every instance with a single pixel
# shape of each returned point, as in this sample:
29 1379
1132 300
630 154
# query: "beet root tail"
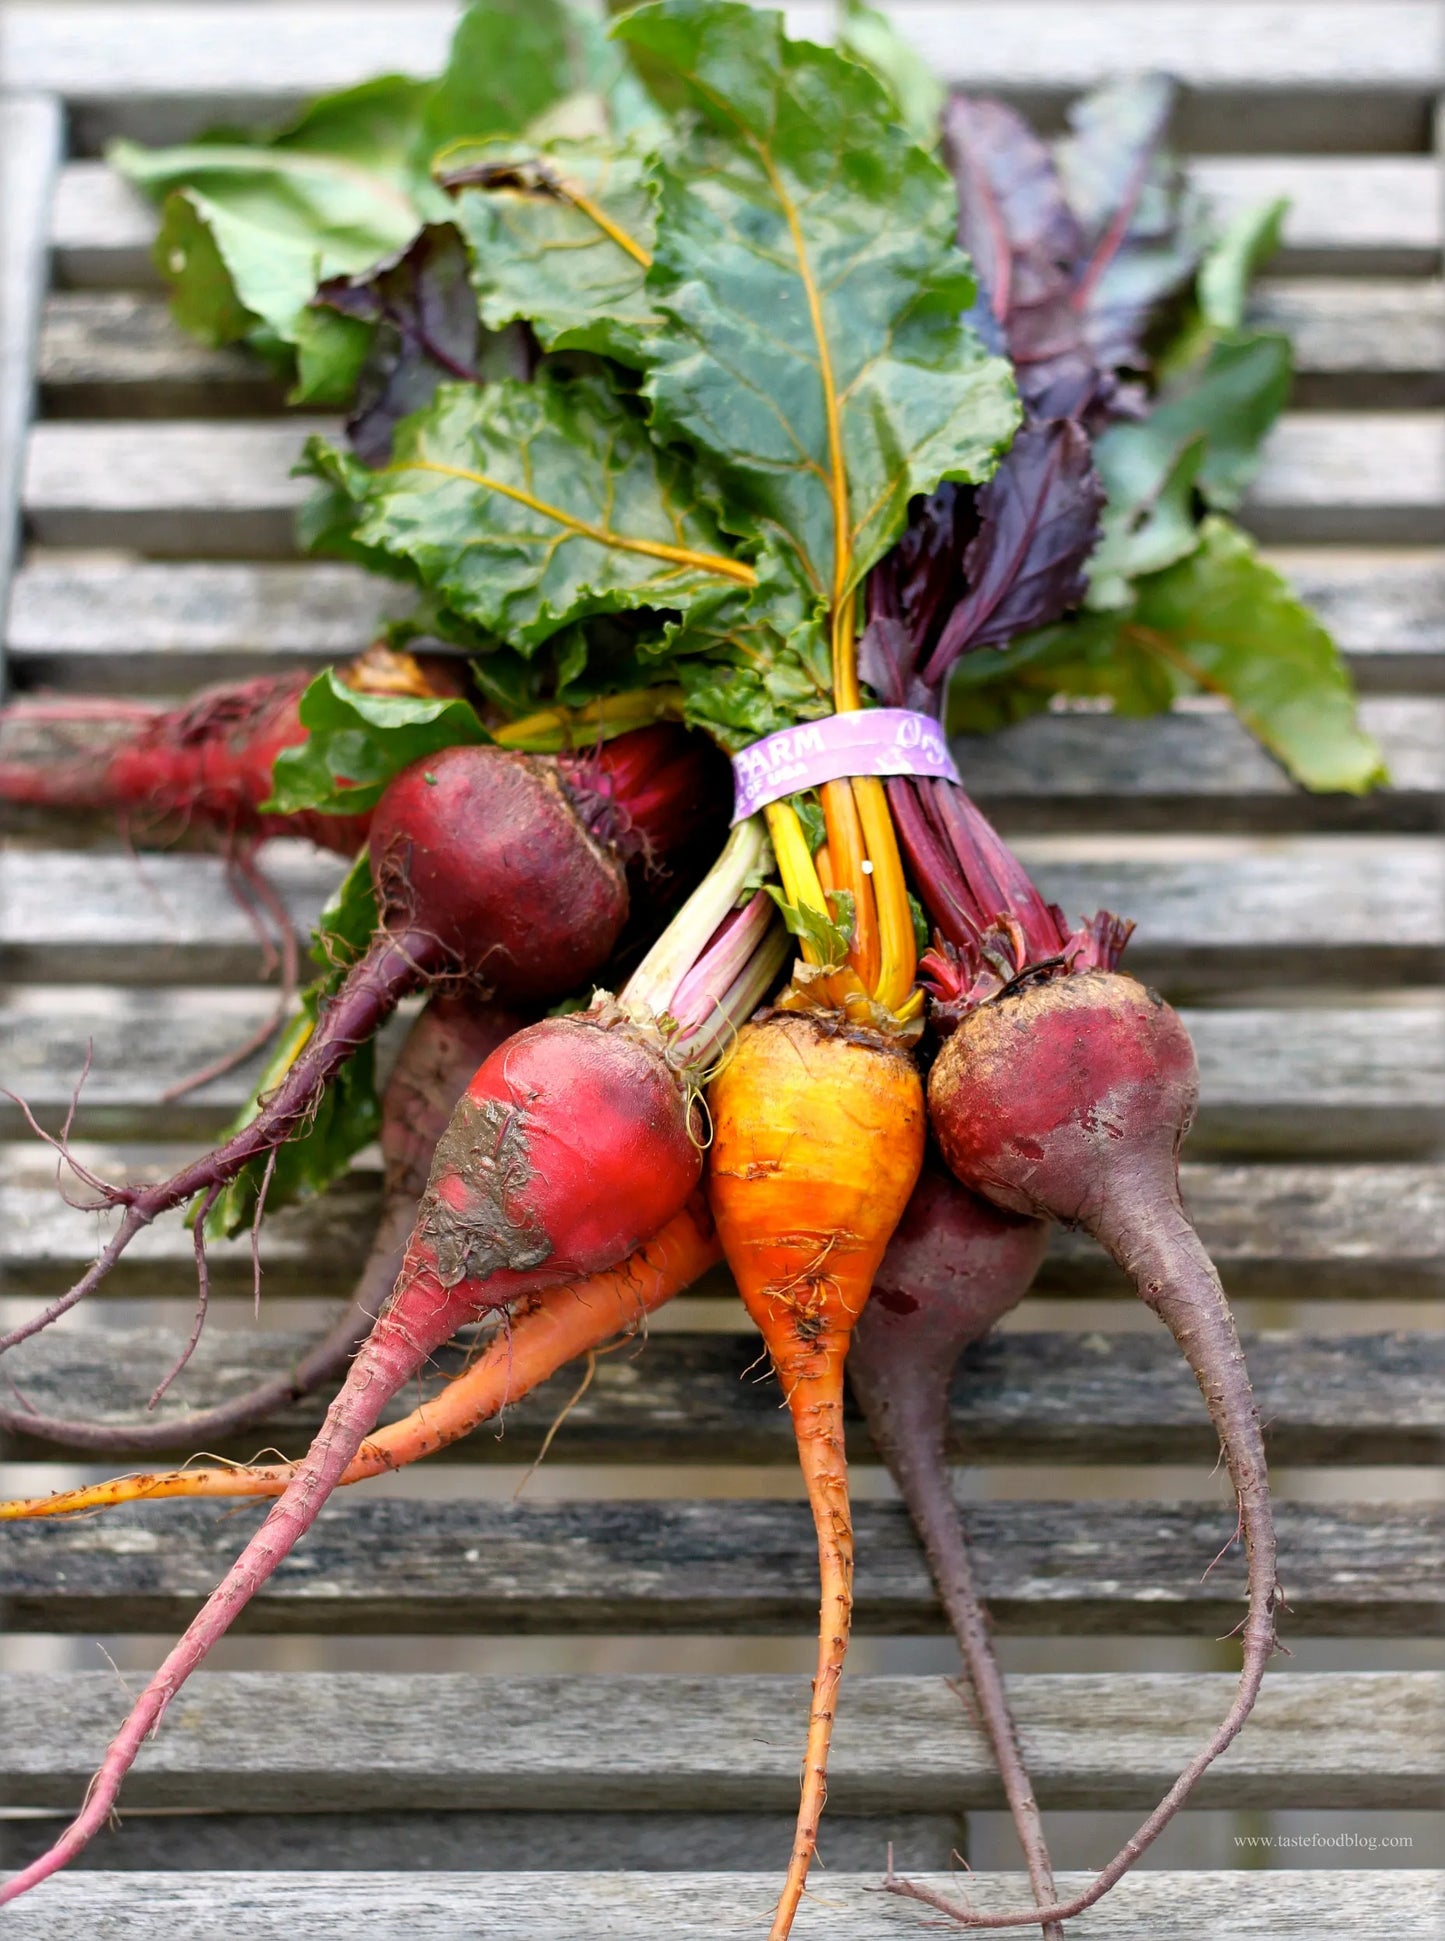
817 1409
915 1458
398 1346
444 1047
1158 1247
954 1267
374 986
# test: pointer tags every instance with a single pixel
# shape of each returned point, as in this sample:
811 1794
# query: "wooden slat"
445 1840
112 624
140 1042
1365 344
30 143
1195 770
704 1907
1264 1906
1279 1232
224 488
1329 477
1375 215
122 922
1261 75
167 489
1366 1081
1215 912
1026 1397
679 1743
119 354
738 1567
139 627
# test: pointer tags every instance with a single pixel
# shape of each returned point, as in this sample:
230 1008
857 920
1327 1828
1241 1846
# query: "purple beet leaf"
428 331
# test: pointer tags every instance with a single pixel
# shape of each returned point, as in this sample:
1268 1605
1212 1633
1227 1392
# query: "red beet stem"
930 863
653 794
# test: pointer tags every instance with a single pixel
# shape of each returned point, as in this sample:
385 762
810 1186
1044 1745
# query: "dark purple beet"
1069 1097
482 864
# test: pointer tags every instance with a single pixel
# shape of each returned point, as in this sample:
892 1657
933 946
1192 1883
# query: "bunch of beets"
847 1047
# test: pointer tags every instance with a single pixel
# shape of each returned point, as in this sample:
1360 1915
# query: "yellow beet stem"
847 694
898 947
795 865
848 854
552 730
543 1335
884 952
817 1143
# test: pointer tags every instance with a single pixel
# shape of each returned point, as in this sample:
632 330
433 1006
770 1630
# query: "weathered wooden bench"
1305 938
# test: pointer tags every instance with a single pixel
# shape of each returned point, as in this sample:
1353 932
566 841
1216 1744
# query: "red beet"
443 1049
573 1144
1068 1097
954 1267
486 872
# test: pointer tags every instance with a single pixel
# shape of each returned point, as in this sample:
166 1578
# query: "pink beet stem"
721 963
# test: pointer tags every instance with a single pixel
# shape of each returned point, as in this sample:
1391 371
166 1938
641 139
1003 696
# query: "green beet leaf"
751 663
1245 246
512 61
527 506
1089 656
249 229
1216 308
918 95
561 237
1232 398
831 936
348 1114
1231 626
356 743
806 268
1225 406
1149 517
1219 622
326 522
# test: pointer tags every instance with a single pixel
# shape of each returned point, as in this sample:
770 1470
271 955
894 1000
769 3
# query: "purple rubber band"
869 741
